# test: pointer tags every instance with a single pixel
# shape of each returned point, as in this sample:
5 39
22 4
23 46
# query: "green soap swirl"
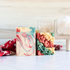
43 49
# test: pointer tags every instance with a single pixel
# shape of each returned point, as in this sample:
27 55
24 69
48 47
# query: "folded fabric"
58 47
8 48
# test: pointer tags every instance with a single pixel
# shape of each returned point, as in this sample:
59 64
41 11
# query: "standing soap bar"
25 41
45 44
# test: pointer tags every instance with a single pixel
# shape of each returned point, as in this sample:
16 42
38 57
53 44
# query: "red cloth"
8 48
58 47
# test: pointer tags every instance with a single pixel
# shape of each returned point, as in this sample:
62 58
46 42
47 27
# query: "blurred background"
14 13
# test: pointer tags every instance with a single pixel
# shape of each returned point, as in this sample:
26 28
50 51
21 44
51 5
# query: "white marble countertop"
59 61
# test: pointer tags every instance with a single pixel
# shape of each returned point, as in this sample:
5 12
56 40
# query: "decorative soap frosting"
45 44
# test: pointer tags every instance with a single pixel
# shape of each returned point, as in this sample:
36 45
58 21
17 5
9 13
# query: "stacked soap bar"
45 44
25 41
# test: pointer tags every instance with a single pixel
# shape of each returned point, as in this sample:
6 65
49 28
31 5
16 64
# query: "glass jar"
46 26
62 27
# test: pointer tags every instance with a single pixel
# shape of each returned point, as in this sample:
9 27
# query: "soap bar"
25 41
45 44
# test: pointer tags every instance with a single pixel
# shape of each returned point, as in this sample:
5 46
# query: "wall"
15 13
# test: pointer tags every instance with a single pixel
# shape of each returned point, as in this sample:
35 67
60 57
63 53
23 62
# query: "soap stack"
45 43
